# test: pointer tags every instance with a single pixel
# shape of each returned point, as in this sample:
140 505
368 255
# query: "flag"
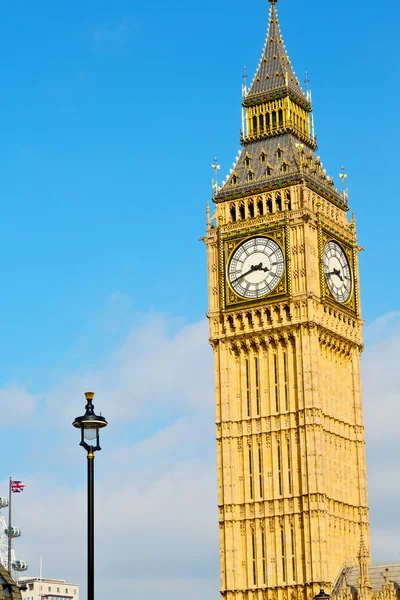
17 487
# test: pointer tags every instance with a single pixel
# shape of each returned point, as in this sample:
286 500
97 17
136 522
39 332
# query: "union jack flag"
17 487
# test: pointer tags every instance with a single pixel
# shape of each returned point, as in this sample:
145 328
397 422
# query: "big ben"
286 332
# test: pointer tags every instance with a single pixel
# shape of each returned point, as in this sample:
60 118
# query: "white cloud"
156 490
381 400
151 525
382 327
179 587
16 406
153 375
156 504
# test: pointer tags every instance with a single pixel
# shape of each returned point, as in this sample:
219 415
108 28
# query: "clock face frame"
255 268
337 272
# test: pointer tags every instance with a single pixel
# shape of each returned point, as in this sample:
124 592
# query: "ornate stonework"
291 463
8 587
377 582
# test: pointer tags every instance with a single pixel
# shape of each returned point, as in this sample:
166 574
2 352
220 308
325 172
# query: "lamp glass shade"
90 432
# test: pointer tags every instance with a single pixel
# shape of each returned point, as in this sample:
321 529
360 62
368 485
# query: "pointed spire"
363 582
363 554
277 134
275 70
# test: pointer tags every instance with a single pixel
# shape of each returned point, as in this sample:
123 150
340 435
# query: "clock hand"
251 270
261 268
335 272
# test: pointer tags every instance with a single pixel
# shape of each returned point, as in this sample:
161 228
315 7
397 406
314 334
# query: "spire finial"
345 192
215 167
244 76
244 89
343 175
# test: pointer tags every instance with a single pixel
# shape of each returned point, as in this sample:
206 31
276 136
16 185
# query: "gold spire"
274 103
277 132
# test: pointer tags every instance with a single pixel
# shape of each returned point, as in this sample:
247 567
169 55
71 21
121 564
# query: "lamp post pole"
90 517
90 424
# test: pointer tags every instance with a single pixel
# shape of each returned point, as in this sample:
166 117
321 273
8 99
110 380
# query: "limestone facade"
292 489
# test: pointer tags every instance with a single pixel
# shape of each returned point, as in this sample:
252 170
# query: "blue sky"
111 115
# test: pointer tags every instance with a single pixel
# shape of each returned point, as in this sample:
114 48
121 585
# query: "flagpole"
9 529
40 577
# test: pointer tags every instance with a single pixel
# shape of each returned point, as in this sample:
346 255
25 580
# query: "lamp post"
322 595
90 425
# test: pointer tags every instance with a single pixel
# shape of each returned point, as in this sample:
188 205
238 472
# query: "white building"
48 589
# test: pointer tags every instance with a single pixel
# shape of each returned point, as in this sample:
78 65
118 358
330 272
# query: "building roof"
378 576
289 150
282 158
274 70
32 579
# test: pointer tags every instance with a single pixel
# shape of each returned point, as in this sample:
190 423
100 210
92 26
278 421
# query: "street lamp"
90 425
322 595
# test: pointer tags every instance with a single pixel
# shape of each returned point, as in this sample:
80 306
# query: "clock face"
256 267
337 272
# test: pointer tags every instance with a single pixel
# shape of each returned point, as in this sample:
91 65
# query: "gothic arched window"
251 209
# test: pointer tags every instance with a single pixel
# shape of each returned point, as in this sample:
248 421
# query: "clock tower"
286 332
